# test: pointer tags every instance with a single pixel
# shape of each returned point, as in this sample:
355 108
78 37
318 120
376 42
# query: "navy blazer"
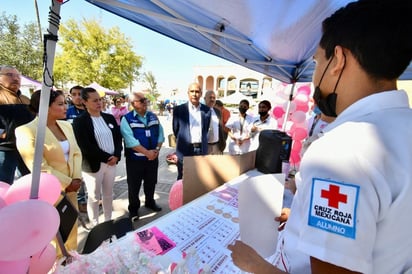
91 152
181 129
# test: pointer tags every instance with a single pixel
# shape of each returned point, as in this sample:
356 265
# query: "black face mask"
263 113
327 105
242 110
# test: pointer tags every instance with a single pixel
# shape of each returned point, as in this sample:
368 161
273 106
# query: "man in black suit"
190 126
216 139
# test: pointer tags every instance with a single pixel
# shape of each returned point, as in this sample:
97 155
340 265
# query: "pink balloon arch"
296 120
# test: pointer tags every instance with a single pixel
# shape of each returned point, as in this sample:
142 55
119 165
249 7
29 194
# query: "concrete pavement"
166 177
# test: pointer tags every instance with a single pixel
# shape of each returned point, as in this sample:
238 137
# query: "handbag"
68 216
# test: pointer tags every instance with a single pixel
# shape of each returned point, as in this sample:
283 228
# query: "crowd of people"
83 144
88 138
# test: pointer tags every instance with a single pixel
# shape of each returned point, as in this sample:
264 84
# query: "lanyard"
313 126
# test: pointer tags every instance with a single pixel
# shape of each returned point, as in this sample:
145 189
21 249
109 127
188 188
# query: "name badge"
148 133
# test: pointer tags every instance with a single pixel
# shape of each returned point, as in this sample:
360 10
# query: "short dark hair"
35 99
377 32
244 101
266 103
219 103
75 87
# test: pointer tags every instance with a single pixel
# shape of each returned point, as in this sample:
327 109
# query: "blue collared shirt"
127 133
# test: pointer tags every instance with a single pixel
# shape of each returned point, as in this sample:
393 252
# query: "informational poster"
202 232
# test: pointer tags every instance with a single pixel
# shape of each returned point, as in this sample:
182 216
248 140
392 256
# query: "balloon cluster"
296 123
28 225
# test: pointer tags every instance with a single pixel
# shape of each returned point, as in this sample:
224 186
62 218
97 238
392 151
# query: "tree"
88 53
149 79
21 47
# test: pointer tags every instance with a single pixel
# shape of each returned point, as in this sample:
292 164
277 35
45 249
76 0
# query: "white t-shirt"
357 214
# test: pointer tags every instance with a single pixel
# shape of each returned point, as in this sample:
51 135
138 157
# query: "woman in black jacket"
98 136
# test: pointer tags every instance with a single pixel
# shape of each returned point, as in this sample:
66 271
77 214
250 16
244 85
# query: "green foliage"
21 47
149 78
89 53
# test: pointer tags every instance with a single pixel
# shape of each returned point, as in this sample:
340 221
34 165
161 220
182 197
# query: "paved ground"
167 176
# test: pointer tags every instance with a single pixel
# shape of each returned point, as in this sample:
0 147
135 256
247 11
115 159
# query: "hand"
152 154
246 258
112 160
74 185
284 216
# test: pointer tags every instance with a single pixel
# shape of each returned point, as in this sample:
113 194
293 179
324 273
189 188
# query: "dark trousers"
9 161
138 171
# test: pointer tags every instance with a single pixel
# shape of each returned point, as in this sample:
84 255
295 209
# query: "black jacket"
84 132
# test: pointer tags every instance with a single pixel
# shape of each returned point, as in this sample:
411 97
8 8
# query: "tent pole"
50 41
288 106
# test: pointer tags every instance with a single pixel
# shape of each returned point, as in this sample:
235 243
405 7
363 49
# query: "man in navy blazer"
190 127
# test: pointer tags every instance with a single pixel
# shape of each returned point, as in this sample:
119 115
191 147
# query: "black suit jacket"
181 129
222 136
84 132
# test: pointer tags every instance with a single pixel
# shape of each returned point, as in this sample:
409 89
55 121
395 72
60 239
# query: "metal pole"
288 107
50 41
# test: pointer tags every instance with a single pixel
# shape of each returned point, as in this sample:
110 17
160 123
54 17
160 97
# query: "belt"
215 143
197 145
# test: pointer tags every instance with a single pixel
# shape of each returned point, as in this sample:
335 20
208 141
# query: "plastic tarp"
274 37
29 82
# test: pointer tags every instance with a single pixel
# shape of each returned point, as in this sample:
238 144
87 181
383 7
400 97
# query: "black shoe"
153 206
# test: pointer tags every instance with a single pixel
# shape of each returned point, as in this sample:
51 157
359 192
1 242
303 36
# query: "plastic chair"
105 231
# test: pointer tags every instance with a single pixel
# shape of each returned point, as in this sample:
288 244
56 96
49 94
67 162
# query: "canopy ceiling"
274 37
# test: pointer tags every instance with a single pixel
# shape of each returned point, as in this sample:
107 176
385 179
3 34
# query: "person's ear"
339 60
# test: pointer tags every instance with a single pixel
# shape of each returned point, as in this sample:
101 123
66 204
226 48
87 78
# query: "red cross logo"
334 196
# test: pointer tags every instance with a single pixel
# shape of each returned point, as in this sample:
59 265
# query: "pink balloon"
299 134
278 111
15 267
26 227
297 146
304 89
292 106
43 261
176 195
301 99
2 203
298 117
49 189
294 157
4 187
303 108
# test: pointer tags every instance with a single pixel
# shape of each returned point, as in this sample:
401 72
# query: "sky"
171 62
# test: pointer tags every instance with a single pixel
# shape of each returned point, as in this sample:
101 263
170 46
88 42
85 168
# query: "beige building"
226 80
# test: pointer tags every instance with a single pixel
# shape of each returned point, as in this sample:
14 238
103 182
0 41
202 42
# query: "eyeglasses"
142 100
10 74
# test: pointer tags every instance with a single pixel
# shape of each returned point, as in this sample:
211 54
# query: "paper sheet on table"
260 201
